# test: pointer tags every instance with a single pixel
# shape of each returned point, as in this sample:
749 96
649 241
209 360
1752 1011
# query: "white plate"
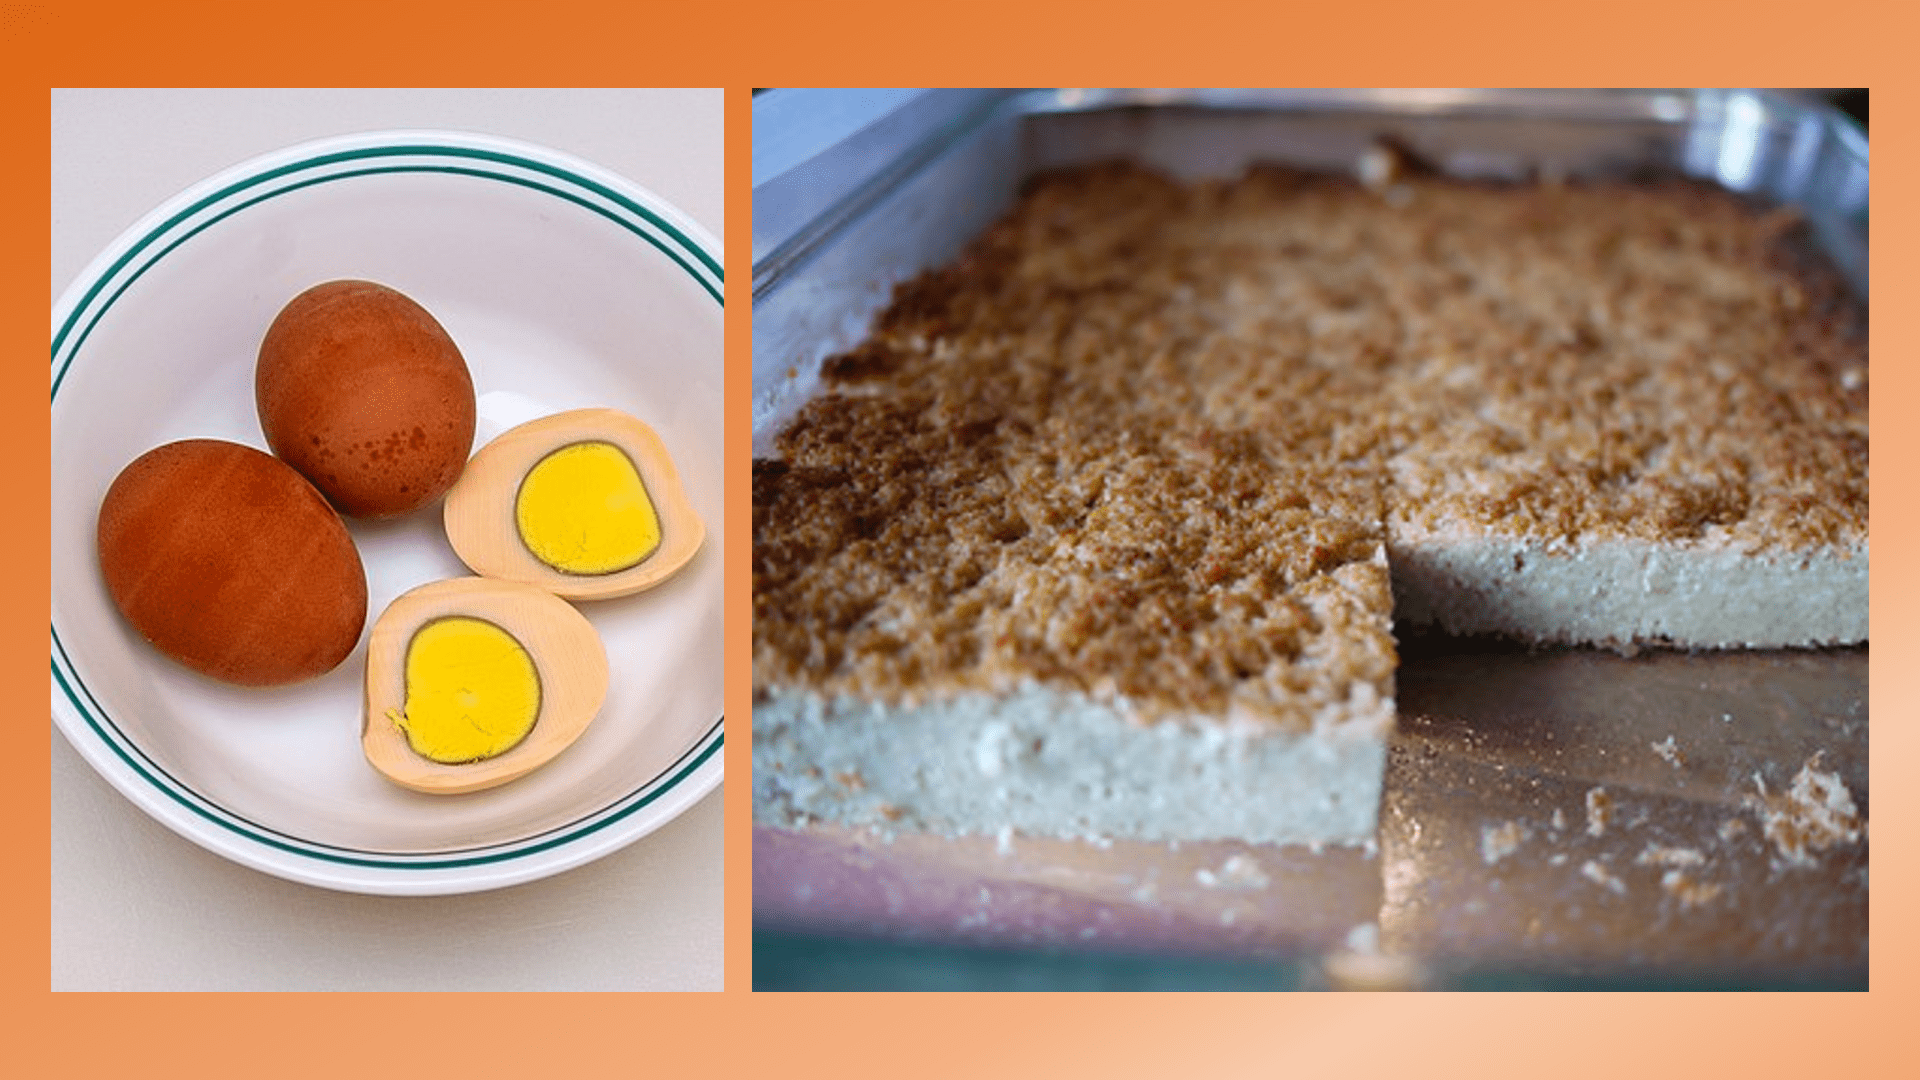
565 286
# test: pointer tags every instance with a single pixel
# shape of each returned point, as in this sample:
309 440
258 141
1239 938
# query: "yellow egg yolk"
583 510
472 691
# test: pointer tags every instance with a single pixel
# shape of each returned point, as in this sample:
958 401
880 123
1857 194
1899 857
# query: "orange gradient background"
743 43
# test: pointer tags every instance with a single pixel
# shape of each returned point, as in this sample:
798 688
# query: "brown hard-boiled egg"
473 682
364 392
229 562
585 504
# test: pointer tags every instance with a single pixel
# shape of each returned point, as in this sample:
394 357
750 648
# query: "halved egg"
585 504
473 682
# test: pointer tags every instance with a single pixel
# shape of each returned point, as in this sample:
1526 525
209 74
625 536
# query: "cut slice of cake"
947 644
1004 610
1637 415
1094 534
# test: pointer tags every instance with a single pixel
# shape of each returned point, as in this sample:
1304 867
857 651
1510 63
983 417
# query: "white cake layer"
1628 591
1048 763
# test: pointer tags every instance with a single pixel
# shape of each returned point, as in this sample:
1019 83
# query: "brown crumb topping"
1145 439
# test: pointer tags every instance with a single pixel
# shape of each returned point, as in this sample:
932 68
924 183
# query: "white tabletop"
136 907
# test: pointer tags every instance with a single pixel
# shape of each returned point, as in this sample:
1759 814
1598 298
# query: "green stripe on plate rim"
684 244
709 744
75 689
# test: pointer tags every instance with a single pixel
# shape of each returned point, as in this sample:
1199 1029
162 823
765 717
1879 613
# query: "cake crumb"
1238 872
1499 841
1732 829
1362 966
1559 819
1669 751
1599 875
1688 890
1599 811
1816 813
1661 855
